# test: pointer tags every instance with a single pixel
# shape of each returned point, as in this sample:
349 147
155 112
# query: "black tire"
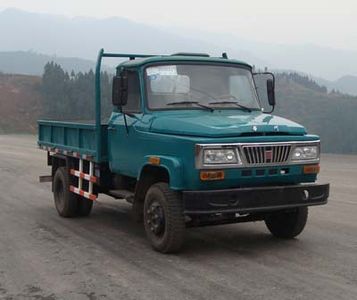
137 212
84 206
166 233
66 202
287 224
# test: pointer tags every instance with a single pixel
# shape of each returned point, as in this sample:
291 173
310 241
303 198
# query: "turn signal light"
311 169
154 160
211 175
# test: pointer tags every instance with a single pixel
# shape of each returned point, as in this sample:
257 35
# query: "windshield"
194 86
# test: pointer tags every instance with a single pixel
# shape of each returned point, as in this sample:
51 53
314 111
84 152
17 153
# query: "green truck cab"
188 144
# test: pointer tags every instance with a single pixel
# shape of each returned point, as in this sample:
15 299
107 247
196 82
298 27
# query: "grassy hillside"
20 103
331 115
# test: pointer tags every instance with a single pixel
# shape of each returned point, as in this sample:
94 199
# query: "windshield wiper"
191 102
232 102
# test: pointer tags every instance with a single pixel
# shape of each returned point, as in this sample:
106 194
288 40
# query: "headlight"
306 153
220 156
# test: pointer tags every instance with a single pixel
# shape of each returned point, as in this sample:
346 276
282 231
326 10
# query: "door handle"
112 128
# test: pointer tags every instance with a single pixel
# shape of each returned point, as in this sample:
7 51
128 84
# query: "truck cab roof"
179 57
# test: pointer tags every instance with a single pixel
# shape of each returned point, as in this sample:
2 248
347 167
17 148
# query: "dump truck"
188 144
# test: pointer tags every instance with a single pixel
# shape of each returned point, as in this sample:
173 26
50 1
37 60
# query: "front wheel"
163 218
287 224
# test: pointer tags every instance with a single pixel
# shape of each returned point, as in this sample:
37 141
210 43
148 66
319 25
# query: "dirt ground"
107 256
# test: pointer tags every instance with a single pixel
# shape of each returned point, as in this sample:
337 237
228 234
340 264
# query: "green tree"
71 97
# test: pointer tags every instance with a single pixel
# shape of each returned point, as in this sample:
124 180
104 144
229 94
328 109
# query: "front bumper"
254 199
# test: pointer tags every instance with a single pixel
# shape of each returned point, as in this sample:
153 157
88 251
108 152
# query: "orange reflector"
154 160
311 169
212 175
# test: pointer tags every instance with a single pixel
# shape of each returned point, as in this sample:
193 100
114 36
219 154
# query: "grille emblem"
268 155
255 128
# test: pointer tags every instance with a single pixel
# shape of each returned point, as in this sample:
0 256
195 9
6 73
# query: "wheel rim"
59 192
156 218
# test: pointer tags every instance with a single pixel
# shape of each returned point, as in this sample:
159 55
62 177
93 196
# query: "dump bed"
77 138
73 138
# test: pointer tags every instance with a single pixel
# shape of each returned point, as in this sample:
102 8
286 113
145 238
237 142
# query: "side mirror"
265 86
271 92
120 89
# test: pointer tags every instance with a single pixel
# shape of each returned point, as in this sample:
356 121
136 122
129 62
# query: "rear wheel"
287 224
163 218
65 201
84 207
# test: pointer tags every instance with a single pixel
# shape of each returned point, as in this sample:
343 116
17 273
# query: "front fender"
173 166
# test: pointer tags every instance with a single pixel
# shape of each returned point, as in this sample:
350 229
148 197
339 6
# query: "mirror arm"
267 73
269 112
125 123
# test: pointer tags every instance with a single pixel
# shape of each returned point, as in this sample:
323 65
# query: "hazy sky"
322 22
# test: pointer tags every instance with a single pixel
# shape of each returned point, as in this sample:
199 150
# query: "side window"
133 104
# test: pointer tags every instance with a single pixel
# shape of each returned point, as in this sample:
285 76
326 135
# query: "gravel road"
106 256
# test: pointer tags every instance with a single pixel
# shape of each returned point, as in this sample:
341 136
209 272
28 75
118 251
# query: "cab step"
122 194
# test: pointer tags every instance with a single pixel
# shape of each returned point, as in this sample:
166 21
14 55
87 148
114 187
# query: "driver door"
123 150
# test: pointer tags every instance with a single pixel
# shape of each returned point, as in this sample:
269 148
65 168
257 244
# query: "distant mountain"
307 58
82 37
31 63
346 84
318 61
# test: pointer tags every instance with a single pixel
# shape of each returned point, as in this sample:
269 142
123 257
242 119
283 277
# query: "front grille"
258 155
